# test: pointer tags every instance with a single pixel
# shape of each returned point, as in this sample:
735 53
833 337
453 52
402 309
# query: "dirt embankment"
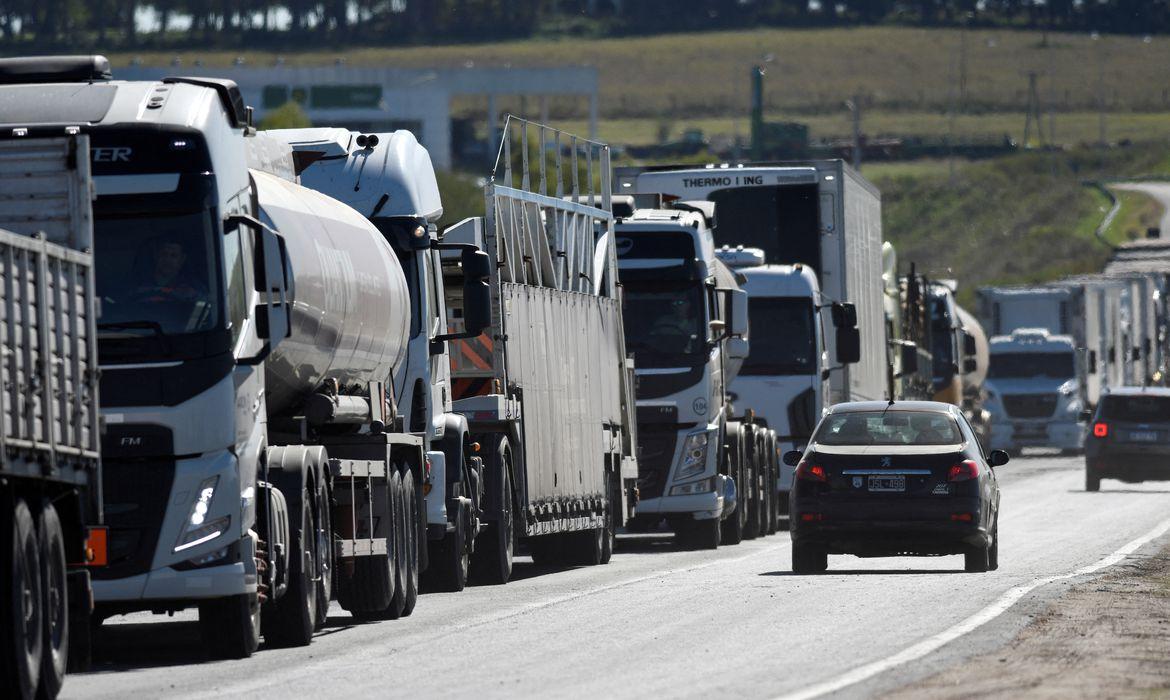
1106 638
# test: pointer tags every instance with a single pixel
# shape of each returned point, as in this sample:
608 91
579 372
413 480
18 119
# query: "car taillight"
1100 430
963 471
810 472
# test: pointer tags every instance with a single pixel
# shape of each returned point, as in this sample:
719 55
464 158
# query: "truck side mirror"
272 314
737 348
844 315
970 365
477 294
849 346
738 311
909 358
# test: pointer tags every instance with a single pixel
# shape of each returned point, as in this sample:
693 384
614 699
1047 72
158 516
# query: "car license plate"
1143 435
887 483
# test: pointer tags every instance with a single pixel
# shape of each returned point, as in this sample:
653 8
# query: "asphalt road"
659 622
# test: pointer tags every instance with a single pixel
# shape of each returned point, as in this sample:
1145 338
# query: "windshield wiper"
154 326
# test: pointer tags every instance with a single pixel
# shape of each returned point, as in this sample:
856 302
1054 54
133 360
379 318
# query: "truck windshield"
156 275
783 339
1020 365
665 324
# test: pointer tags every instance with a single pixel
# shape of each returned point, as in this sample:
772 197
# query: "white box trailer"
552 372
818 213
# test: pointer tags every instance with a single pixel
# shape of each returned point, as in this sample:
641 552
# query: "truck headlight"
694 456
196 529
703 486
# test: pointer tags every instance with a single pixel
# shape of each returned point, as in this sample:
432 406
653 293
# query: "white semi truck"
702 469
478 473
254 463
785 378
50 471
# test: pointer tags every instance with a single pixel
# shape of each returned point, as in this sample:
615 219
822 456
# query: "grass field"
1138 211
908 77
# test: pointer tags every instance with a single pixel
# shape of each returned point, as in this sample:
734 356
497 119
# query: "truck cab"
785 376
686 326
1034 391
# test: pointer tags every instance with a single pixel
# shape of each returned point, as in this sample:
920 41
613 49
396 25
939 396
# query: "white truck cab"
785 376
1034 391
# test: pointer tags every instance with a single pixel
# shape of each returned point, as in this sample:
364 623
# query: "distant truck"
686 322
785 378
50 471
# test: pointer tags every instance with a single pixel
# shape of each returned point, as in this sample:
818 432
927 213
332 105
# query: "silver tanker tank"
350 304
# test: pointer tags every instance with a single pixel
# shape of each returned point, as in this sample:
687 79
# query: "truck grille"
1030 405
135 493
655 453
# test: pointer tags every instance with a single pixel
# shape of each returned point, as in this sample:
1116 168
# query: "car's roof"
920 406
1138 391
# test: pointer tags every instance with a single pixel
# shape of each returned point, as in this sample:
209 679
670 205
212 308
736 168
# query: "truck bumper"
702 506
170 584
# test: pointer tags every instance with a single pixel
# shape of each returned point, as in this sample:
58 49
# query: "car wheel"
993 552
1092 483
976 560
809 558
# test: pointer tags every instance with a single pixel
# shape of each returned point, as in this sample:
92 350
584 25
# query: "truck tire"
55 603
587 546
20 609
290 620
230 627
450 559
324 521
809 558
976 560
751 526
413 526
374 592
700 534
401 566
491 563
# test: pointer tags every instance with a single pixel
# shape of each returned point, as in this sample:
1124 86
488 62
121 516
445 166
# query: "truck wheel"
587 546
751 526
410 550
55 604
809 558
290 620
733 526
976 559
549 550
700 534
230 627
20 608
323 522
450 560
492 562
1092 483
401 567
608 537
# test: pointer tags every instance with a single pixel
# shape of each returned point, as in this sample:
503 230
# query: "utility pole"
1101 141
854 106
1032 112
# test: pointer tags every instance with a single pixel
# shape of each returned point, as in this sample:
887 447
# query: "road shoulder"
1106 637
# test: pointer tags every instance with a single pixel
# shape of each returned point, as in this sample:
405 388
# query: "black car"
886 479
1129 437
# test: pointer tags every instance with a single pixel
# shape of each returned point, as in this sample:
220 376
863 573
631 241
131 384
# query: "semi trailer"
50 470
700 468
255 465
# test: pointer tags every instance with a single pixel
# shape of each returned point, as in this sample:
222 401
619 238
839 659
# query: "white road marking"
987 614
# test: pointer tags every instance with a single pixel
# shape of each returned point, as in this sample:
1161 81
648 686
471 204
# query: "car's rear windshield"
1138 409
888 428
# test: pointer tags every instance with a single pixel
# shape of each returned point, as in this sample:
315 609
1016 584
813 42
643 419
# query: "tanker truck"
50 472
532 416
254 461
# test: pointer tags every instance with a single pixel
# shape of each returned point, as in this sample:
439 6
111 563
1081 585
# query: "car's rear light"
811 517
964 471
1100 430
961 517
810 472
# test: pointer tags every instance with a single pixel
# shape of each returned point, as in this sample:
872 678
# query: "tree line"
123 24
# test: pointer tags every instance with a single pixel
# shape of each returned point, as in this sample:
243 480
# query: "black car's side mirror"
998 458
792 457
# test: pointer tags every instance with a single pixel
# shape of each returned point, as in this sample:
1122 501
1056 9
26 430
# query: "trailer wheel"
411 530
55 602
700 534
450 559
230 627
401 566
492 561
290 620
324 531
372 593
588 546
20 616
